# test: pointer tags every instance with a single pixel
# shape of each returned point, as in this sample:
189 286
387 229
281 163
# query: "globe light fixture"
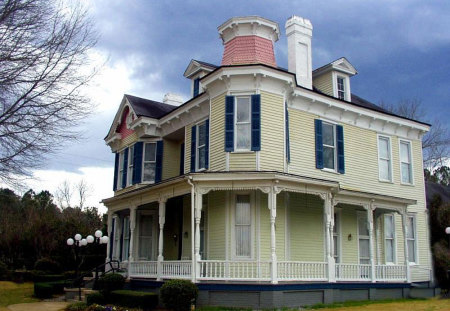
104 239
70 241
447 230
98 234
90 239
77 237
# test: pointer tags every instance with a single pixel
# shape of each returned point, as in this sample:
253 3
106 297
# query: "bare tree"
436 143
83 190
44 68
63 194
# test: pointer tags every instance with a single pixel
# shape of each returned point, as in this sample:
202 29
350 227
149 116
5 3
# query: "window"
126 238
341 88
405 162
363 239
145 237
389 238
411 238
116 248
243 226
384 158
329 146
196 89
130 165
149 162
243 123
201 146
121 168
336 237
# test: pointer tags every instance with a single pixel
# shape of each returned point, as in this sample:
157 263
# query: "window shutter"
116 171
159 159
196 86
340 149
319 144
111 238
193 147
182 159
288 147
137 162
229 123
207 144
256 122
125 168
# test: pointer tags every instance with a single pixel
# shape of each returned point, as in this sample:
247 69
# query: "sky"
401 50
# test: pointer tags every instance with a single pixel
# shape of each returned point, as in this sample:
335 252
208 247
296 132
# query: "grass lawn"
433 304
12 293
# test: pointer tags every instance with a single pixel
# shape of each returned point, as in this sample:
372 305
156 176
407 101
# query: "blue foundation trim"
273 287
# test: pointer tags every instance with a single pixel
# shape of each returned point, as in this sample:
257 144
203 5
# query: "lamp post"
77 242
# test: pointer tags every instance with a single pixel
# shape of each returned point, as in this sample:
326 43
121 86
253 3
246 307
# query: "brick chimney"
249 40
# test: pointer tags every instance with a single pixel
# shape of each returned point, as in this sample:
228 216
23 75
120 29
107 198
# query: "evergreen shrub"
178 295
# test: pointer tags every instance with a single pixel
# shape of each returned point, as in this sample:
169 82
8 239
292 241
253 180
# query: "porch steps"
71 294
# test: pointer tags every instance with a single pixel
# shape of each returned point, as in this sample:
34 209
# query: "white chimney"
299 34
173 99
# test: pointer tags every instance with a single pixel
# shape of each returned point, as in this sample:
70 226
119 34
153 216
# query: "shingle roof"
206 64
149 108
364 103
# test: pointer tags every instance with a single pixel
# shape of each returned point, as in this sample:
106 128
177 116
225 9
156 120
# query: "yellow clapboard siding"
128 141
187 149
272 132
171 159
216 225
324 83
243 161
217 134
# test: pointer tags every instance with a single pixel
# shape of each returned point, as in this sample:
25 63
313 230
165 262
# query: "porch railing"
353 272
390 272
176 269
234 270
146 269
305 271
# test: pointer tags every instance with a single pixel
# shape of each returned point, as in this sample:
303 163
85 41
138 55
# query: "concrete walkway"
39 306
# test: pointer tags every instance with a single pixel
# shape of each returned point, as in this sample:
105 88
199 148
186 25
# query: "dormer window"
341 88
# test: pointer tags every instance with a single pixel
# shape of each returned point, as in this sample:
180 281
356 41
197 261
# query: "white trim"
411 160
390 158
416 252
287 243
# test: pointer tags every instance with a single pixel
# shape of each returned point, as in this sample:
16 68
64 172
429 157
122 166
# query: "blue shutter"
182 159
256 122
137 162
319 144
116 171
111 238
159 160
207 144
196 86
193 147
288 147
340 149
125 168
229 123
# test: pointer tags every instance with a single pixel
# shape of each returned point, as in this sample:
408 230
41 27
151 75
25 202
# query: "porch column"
198 216
162 221
132 227
405 230
329 225
272 204
370 209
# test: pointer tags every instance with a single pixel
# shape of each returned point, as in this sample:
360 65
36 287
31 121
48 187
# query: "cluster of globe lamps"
80 241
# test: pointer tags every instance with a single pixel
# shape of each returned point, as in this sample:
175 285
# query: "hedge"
110 282
38 276
43 290
95 298
178 295
134 299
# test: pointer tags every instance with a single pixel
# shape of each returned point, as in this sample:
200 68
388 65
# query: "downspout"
189 181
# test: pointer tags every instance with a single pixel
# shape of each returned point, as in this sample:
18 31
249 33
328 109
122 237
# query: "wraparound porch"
270 258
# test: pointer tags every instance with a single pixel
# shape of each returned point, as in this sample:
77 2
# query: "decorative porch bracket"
162 221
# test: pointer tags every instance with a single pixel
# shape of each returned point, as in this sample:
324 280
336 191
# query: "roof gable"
197 66
341 65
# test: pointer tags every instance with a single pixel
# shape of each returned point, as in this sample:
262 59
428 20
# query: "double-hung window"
149 162
405 162
341 88
243 124
126 238
121 168
243 224
363 239
411 238
130 165
389 238
329 145
201 146
384 158
336 239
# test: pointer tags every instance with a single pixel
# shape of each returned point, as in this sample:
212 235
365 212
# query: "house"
269 187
